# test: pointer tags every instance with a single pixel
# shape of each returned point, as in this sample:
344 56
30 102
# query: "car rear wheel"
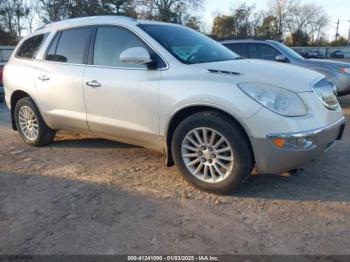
31 125
212 152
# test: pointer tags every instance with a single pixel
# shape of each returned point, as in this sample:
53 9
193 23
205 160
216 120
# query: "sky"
334 8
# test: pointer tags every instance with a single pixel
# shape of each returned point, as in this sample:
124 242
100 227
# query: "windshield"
290 52
187 45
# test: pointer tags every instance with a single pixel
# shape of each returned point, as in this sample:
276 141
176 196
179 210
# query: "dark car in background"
5 53
312 54
336 72
338 54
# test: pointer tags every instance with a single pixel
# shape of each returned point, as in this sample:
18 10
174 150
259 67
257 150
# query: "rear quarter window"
30 47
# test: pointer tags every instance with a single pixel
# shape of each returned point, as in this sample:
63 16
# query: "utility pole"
337 32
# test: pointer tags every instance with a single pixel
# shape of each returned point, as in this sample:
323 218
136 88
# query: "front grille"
325 90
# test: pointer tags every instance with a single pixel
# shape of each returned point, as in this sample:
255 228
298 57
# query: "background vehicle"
312 54
170 88
337 72
338 54
5 54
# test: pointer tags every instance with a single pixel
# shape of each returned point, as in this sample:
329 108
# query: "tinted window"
187 45
111 42
290 52
239 49
69 46
30 47
262 51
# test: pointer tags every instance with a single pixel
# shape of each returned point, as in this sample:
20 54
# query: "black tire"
243 156
45 134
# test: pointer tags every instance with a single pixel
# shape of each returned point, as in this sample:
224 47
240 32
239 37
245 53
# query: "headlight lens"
278 100
345 70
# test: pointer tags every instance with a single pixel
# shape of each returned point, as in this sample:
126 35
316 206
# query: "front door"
122 100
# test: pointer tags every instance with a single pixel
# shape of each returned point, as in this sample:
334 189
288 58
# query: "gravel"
83 195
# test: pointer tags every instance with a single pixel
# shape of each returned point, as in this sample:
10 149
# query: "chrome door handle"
93 84
44 78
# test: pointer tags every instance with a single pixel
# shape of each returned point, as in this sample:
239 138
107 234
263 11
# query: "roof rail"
85 18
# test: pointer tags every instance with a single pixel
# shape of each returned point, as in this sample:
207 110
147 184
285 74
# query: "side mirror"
281 58
135 56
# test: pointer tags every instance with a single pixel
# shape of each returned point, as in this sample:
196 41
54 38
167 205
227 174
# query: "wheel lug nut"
210 149
204 160
203 148
210 161
200 153
213 156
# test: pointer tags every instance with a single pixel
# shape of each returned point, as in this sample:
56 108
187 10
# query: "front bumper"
271 159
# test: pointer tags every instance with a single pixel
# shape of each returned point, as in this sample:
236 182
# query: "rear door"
60 76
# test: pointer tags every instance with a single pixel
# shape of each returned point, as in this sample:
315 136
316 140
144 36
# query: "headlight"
278 100
345 70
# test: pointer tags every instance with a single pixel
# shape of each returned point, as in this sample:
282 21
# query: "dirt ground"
83 195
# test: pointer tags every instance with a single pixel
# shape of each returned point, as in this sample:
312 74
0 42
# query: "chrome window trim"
102 66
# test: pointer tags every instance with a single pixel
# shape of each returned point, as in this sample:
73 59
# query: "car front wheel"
212 152
31 125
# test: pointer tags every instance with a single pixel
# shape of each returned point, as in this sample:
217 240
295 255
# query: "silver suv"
169 88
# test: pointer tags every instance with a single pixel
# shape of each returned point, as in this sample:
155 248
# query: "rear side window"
31 46
69 46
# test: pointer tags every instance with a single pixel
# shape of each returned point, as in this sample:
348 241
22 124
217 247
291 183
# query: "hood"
287 76
323 63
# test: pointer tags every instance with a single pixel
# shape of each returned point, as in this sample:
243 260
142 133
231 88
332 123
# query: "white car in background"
169 88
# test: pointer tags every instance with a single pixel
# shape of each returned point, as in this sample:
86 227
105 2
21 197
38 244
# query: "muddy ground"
83 195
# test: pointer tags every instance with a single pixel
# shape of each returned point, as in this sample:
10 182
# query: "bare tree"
12 12
280 10
168 10
307 20
52 10
31 12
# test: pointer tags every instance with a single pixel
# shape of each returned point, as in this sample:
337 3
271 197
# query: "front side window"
188 46
262 51
290 52
69 46
30 47
237 48
110 42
